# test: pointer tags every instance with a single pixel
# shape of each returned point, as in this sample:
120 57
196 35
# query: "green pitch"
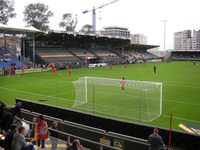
181 88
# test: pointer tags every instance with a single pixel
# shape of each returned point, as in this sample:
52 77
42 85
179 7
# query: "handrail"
80 138
96 130
80 126
88 128
129 138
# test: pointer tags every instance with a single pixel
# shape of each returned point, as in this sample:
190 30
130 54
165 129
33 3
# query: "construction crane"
93 10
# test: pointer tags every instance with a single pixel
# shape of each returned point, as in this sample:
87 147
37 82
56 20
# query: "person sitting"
7 142
19 142
156 141
75 145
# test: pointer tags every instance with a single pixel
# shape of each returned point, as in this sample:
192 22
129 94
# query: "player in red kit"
54 70
125 65
122 84
9 70
22 70
70 71
110 66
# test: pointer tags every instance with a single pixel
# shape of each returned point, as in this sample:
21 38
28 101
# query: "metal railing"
71 136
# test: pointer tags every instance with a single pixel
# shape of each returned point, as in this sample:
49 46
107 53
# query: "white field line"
34 93
179 118
168 101
178 82
32 83
182 85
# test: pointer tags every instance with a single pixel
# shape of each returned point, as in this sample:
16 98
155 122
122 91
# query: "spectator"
16 110
2 110
41 131
33 130
75 145
7 142
19 142
54 136
155 141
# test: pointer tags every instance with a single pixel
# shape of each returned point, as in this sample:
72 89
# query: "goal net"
140 100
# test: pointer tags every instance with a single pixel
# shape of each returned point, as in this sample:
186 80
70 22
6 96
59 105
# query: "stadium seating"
7 59
137 55
185 55
81 53
56 55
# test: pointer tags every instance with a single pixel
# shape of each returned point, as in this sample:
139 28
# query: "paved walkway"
61 145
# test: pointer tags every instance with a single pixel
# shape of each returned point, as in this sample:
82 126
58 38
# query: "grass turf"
181 87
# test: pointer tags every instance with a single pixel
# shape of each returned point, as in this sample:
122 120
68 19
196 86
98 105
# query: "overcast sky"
140 16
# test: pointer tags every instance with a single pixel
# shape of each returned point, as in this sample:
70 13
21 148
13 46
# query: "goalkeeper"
122 84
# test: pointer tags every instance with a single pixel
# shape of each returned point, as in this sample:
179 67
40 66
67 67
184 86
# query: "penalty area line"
179 118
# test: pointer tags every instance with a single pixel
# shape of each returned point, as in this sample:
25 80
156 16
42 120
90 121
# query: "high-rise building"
196 40
182 40
138 39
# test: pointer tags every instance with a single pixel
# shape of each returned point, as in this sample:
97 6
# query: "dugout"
179 139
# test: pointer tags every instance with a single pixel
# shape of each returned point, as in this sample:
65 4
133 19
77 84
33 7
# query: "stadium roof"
5 29
189 50
141 46
75 38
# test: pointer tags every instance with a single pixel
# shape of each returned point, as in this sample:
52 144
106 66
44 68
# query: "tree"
37 15
87 29
68 22
6 10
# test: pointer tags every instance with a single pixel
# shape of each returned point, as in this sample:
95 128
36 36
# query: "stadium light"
164 23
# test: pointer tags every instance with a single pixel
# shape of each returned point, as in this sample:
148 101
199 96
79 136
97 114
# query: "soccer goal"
140 100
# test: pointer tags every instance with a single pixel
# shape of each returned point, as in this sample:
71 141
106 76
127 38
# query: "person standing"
155 141
154 70
110 66
122 84
41 131
54 136
33 130
69 71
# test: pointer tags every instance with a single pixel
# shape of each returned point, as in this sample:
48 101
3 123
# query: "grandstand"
74 48
7 59
181 55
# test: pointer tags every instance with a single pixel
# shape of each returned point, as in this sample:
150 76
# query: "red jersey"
122 83
110 66
42 130
22 69
70 71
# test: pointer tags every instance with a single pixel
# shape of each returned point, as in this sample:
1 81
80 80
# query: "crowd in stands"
134 56
185 55
16 134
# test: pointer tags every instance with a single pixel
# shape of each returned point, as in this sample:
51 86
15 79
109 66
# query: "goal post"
140 100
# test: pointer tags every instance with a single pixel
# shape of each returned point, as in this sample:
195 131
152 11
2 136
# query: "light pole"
164 23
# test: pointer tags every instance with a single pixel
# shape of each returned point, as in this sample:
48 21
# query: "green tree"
69 22
6 10
87 29
37 15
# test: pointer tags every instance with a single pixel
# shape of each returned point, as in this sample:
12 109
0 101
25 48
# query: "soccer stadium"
96 91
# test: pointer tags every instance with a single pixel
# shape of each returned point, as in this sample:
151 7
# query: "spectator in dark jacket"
155 141
9 136
75 145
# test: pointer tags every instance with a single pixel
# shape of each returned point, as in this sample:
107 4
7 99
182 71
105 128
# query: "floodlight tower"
93 10
164 23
